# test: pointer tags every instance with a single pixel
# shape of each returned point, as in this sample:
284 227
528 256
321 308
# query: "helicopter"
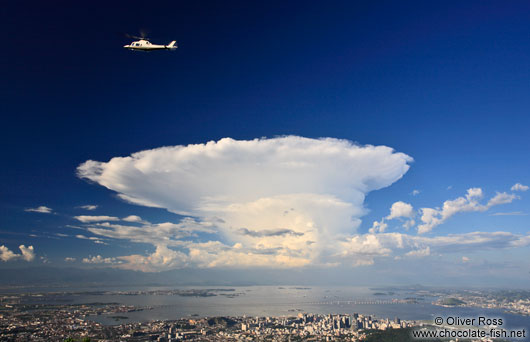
143 44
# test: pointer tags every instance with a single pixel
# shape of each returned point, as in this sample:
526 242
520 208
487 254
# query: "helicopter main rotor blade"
136 37
143 34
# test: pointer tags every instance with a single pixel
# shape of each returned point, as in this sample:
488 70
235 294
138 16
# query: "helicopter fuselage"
144 45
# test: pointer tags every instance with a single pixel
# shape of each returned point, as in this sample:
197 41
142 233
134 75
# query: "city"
62 322
52 316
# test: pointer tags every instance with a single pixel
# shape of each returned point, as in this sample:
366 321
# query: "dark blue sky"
446 82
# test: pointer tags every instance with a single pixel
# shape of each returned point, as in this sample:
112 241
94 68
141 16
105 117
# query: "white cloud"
501 198
6 254
471 202
400 209
42 209
207 254
356 250
294 252
419 253
70 259
26 253
512 213
217 254
364 249
155 234
314 188
519 187
91 238
87 219
415 192
465 259
98 259
409 224
132 218
378 227
163 258
88 207
476 241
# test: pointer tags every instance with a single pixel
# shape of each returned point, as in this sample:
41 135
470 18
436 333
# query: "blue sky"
444 83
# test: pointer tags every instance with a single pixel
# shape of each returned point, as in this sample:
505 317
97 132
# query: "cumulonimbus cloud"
313 189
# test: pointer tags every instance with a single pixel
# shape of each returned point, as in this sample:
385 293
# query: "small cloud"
89 219
502 198
62 235
378 227
44 260
268 232
74 227
27 253
465 259
512 213
419 253
519 187
400 209
162 258
91 238
415 192
449 187
69 259
133 218
409 224
98 259
42 209
88 207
